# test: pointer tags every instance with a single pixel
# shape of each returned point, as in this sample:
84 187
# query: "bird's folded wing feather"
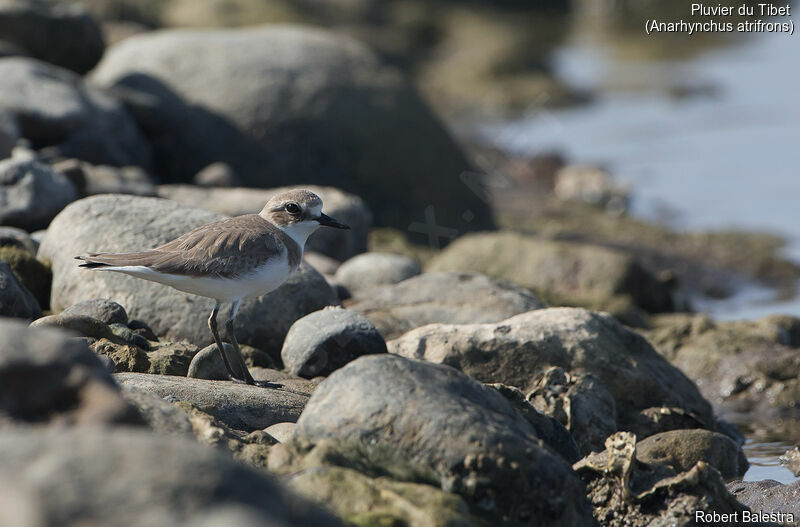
226 248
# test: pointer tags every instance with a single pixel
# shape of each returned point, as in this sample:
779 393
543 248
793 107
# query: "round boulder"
102 309
118 223
372 269
326 340
471 436
32 193
54 107
282 104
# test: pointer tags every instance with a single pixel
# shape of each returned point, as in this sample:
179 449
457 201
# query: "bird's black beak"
327 221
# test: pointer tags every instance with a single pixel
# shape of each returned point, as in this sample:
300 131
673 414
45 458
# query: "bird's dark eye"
292 208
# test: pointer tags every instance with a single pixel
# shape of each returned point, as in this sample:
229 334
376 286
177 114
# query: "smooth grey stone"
326 340
239 406
368 270
233 95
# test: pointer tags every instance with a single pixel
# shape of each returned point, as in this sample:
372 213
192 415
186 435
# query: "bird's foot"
253 382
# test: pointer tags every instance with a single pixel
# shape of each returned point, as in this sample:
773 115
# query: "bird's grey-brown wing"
226 248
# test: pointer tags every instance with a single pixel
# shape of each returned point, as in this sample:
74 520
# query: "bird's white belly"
264 279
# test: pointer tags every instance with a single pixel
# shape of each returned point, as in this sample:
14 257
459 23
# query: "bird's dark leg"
212 325
235 343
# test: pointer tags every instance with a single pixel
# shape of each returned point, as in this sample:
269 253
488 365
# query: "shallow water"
764 464
725 155
707 142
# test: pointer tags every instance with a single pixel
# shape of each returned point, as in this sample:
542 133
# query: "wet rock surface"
416 399
326 340
446 298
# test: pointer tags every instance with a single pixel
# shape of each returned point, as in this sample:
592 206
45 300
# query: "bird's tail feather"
100 260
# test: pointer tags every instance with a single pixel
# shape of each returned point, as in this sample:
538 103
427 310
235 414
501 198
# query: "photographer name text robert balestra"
736 518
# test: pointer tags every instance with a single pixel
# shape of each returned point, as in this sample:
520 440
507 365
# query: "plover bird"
229 260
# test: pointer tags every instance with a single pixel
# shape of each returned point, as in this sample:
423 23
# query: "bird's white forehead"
315 210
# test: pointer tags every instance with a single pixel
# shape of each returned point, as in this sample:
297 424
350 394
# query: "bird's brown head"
298 212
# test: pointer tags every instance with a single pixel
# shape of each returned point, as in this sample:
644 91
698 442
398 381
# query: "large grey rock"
475 441
130 223
568 273
64 34
336 243
368 270
102 309
326 340
769 496
54 107
15 299
445 298
282 104
133 478
517 351
239 406
32 193
45 376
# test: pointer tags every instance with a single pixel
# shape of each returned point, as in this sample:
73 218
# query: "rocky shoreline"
465 355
